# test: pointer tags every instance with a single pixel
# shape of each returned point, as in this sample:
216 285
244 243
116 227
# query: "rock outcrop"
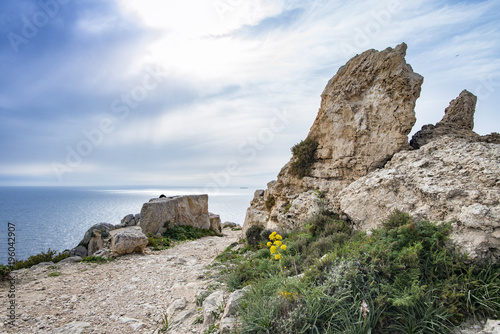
191 210
458 121
364 167
131 220
93 240
450 179
366 114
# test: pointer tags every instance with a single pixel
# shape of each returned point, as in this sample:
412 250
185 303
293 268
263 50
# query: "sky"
211 93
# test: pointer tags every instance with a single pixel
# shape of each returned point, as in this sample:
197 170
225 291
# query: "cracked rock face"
366 114
449 179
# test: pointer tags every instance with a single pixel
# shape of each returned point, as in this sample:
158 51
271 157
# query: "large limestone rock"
158 213
366 114
458 121
128 240
449 179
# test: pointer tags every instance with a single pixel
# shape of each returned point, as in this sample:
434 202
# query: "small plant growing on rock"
304 156
270 201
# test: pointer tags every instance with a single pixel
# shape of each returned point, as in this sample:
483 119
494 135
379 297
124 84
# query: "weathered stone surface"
233 302
104 227
80 251
214 222
366 114
131 220
211 306
177 305
190 210
71 259
75 327
128 240
449 179
96 242
458 121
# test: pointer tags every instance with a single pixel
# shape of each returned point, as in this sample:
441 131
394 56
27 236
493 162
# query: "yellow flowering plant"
276 246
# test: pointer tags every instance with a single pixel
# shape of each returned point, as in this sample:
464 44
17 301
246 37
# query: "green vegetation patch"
95 259
303 157
5 272
49 256
182 233
403 278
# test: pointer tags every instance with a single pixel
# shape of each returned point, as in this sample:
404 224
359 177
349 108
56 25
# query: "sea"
58 217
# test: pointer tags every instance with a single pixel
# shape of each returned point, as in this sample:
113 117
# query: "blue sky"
210 93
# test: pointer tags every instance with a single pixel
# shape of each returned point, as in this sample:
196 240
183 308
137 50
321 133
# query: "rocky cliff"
364 167
366 114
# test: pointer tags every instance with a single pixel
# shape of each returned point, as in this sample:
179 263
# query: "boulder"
96 242
215 222
71 259
458 121
159 213
211 308
104 227
131 220
366 114
128 240
80 251
449 179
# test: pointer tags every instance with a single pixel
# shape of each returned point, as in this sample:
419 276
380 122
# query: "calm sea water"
57 218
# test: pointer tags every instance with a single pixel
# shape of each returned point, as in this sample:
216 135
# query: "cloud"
231 66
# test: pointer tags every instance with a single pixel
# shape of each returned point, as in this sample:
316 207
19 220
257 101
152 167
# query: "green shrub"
270 201
4 272
303 157
253 235
49 256
95 259
158 242
183 233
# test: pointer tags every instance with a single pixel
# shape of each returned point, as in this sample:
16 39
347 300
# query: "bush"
270 201
183 233
49 256
253 235
4 272
303 157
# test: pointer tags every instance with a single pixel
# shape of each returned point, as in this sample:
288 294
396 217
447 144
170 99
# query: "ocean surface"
57 218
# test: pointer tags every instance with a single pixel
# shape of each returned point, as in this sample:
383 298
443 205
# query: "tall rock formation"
366 114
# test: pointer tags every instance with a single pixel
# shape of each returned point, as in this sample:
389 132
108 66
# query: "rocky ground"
129 295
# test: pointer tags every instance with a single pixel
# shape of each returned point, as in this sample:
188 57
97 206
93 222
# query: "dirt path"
129 295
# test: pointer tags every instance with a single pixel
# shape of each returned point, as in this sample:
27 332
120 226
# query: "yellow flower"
272 237
283 247
278 237
278 243
273 249
277 256
269 244
274 233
